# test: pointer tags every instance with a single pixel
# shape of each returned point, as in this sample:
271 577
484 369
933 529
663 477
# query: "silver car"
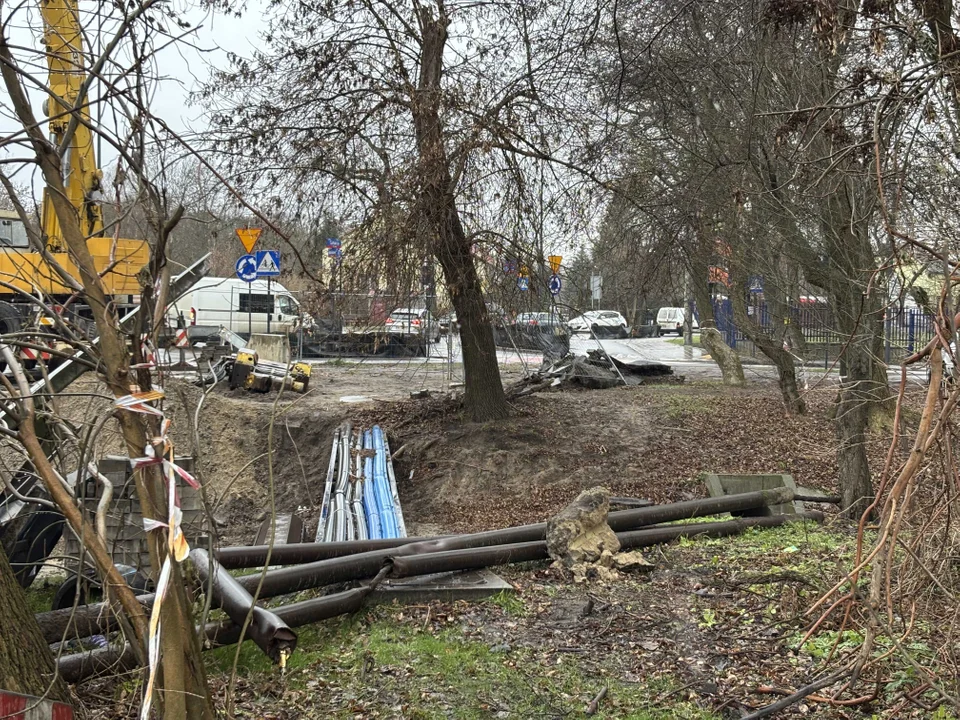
413 321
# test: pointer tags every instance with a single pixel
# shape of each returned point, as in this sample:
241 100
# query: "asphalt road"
685 360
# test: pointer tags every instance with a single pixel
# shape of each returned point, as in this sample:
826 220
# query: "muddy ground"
712 632
647 441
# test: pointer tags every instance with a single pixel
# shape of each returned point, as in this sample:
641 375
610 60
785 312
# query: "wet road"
689 361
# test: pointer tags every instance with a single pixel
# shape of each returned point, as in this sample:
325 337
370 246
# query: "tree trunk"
484 398
723 355
772 347
864 392
26 665
183 667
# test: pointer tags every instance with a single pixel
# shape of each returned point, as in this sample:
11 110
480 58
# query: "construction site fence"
904 331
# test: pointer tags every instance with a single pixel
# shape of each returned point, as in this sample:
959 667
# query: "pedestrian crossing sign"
268 263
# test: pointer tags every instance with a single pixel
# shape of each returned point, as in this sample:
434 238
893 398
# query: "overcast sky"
182 67
186 67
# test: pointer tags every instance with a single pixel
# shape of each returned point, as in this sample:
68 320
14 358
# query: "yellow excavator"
24 269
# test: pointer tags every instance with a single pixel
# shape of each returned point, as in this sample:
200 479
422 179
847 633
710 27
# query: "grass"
679 340
382 663
40 594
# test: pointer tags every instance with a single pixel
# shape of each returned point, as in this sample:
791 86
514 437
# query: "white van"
670 319
240 307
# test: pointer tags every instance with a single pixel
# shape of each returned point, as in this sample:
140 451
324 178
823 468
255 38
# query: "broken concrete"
632 561
579 533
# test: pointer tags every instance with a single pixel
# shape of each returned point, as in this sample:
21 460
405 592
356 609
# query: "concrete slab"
471 585
275 348
719 485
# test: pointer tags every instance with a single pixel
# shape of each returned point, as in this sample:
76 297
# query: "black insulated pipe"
268 631
367 564
74 668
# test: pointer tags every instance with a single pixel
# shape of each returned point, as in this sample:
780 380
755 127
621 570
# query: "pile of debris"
596 370
584 535
360 499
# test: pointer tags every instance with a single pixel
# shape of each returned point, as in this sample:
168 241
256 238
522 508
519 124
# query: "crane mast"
63 41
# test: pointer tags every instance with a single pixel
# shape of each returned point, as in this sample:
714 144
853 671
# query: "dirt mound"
651 442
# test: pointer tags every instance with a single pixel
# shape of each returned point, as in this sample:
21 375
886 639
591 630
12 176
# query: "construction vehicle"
23 270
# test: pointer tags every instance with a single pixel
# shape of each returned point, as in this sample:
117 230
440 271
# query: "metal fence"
905 331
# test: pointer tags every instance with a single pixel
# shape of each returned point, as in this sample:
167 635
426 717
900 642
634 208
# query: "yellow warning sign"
555 261
249 237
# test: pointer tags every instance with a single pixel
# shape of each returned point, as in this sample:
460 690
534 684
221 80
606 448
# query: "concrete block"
275 348
719 485
445 587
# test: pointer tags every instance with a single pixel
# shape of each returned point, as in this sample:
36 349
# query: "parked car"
538 321
448 322
240 307
413 321
600 322
670 319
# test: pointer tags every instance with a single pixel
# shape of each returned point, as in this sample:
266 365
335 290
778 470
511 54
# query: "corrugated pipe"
74 668
384 496
391 476
328 489
374 528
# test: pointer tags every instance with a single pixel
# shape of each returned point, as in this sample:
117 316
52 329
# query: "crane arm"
63 41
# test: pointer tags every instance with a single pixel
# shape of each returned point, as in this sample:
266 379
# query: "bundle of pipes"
360 500
334 562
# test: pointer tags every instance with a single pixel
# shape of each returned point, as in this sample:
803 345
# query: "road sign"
268 263
523 282
249 237
334 252
756 283
247 268
509 267
333 243
596 286
555 284
555 261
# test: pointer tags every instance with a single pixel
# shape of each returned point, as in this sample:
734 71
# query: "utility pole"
688 310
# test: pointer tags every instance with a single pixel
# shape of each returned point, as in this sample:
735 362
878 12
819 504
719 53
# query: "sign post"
247 271
334 250
268 266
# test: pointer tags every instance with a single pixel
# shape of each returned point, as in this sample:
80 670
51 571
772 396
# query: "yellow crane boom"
122 259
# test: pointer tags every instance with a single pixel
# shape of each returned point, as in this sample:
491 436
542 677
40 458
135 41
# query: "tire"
10 322
10 319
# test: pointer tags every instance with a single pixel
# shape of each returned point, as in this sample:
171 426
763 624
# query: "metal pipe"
247 556
268 631
243 557
339 515
476 558
358 517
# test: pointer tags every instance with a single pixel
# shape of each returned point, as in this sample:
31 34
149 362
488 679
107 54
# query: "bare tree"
424 118
71 218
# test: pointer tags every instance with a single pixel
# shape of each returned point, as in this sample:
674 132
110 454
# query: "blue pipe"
384 494
370 508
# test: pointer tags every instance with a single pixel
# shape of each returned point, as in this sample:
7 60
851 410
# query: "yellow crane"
21 267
